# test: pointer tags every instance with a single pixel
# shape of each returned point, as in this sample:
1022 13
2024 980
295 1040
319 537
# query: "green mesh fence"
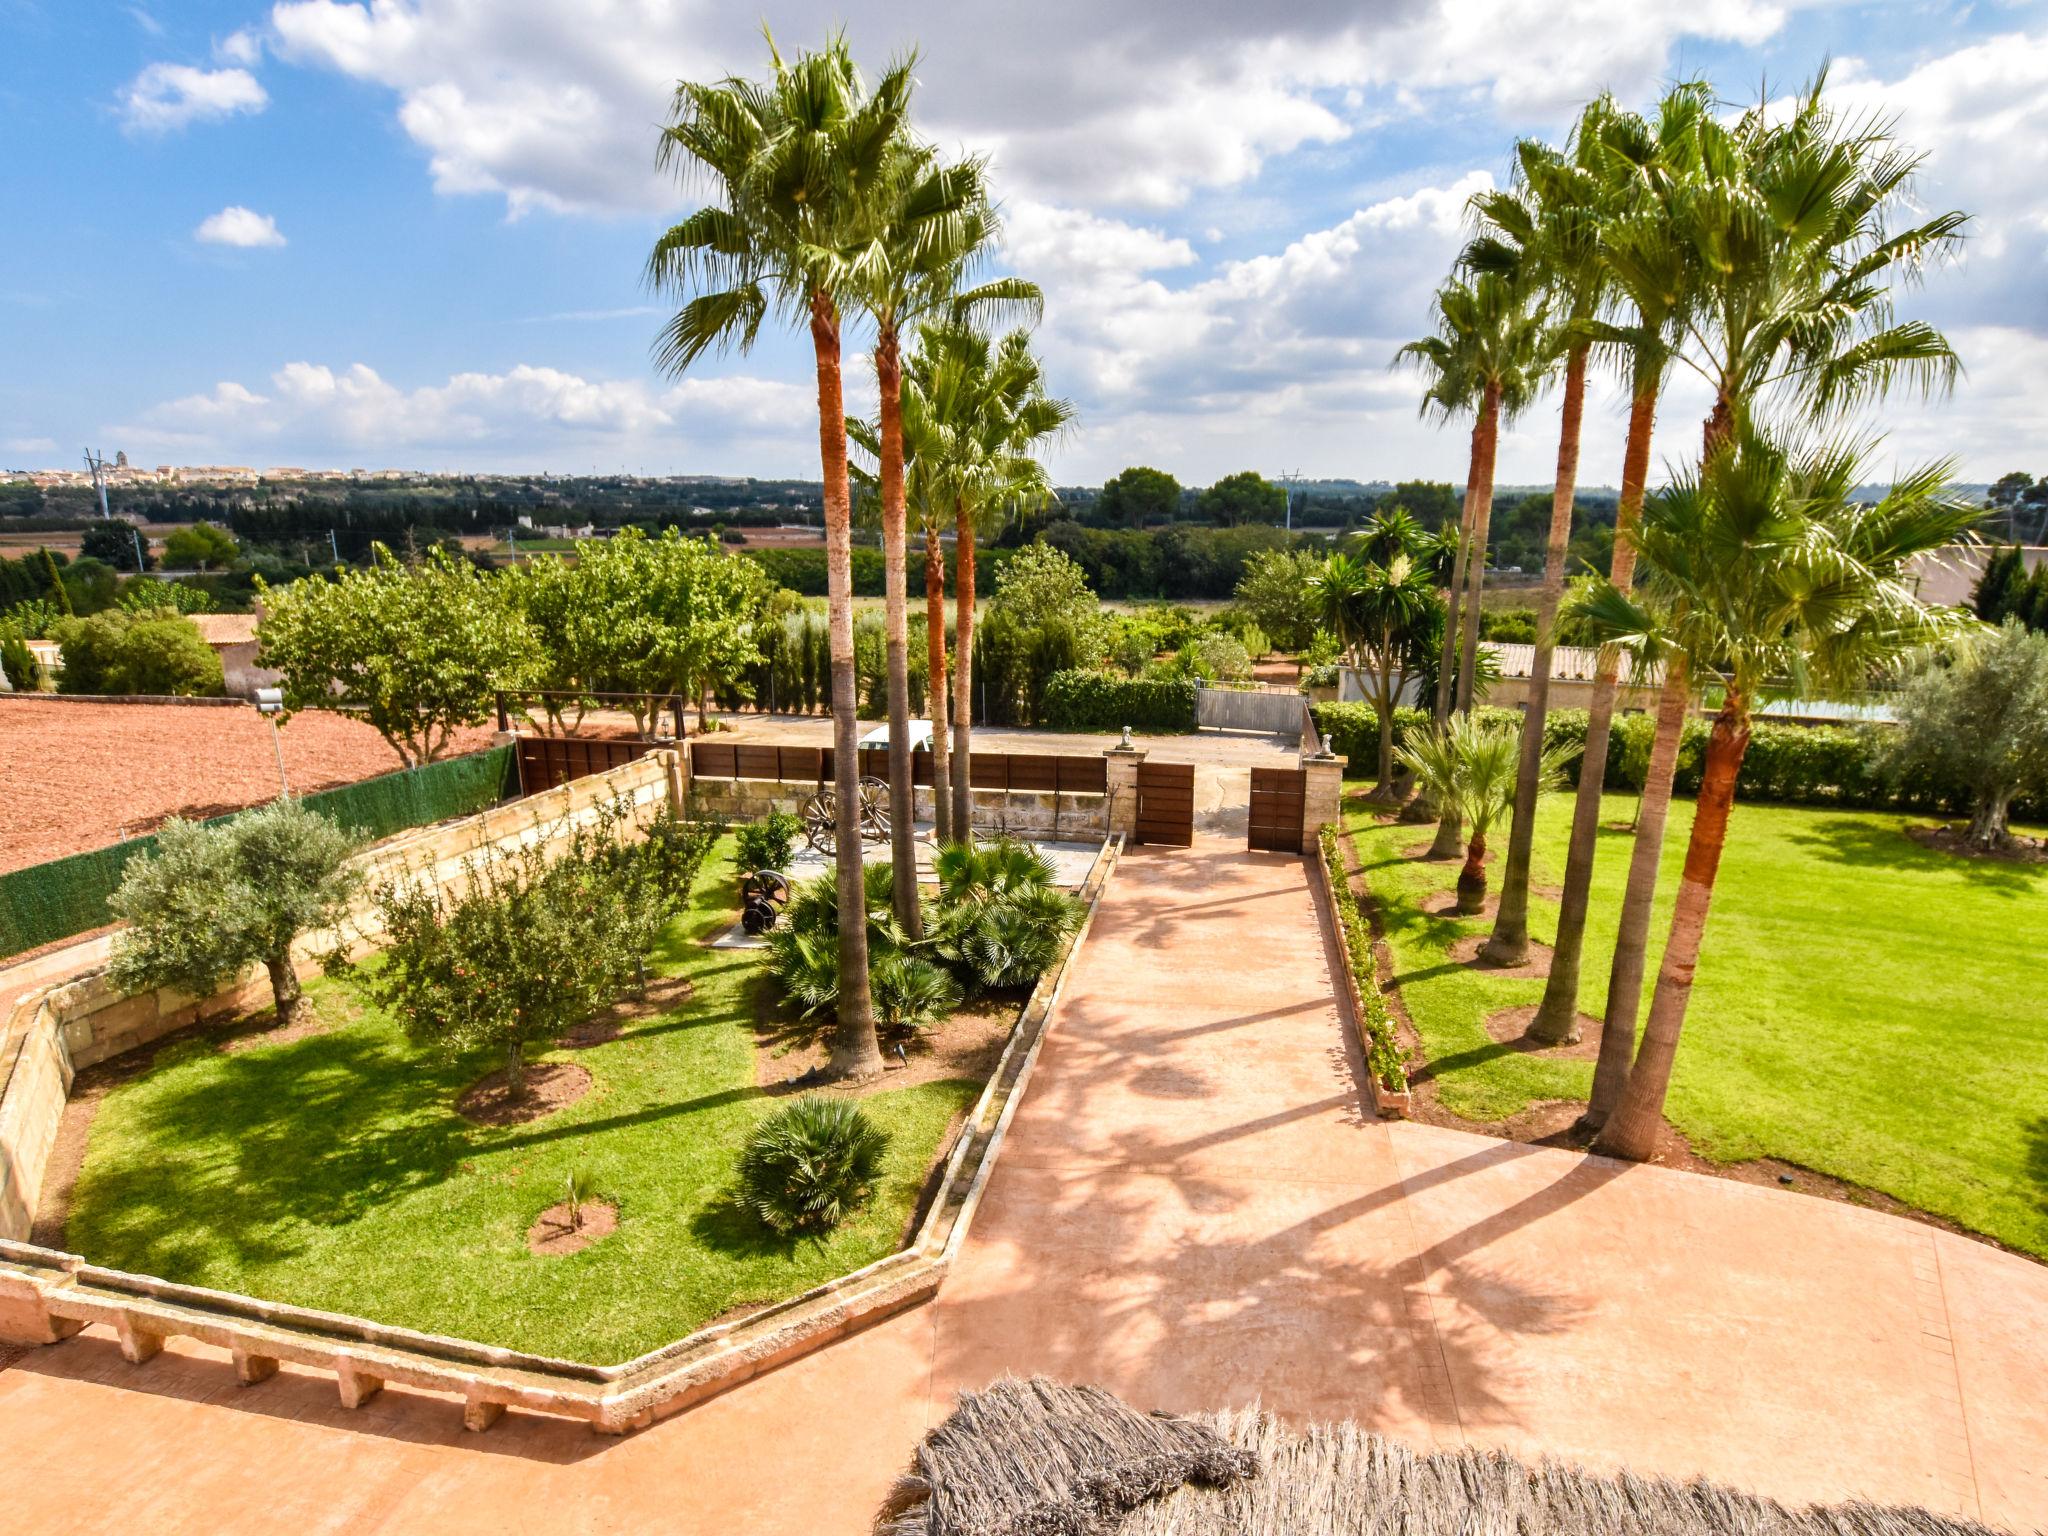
46 902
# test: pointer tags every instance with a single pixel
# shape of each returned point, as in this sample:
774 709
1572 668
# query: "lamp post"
270 704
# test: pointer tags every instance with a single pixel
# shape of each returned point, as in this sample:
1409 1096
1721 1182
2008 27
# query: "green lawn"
1864 1007
332 1172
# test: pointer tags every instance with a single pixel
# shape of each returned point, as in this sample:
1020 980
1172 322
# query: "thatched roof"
1036 1458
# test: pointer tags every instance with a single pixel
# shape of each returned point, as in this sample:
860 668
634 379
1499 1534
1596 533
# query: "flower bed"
1386 1068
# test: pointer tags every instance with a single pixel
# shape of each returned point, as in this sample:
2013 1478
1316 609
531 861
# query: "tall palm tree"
1545 233
1492 346
1773 578
1377 608
1782 225
792 168
1650 276
1006 419
936 224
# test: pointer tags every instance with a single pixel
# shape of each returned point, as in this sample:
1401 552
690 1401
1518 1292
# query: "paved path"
1193 1210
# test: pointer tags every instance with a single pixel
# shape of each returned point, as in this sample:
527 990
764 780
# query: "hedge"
1102 701
67 896
1792 764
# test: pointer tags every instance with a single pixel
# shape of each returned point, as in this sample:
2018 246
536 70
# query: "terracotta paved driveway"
1192 1209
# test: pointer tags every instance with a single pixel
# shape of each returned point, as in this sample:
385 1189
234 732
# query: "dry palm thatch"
1035 1458
1338 1480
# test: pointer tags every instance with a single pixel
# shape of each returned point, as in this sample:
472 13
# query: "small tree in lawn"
217 897
531 941
1980 718
415 650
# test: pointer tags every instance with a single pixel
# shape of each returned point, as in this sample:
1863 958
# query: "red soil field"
79 775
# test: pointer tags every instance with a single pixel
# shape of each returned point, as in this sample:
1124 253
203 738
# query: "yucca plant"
811 1163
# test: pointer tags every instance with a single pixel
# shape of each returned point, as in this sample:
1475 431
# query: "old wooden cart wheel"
874 811
821 822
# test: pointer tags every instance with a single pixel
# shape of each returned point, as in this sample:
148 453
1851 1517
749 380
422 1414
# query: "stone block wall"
1024 813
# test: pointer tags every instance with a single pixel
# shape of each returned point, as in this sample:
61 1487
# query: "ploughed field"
333 1171
1865 1007
81 774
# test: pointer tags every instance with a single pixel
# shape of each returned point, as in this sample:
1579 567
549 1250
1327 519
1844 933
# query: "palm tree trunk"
1475 564
1632 938
1447 665
1472 877
963 677
1632 1131
902 818
935 660
1509 942
855 1051
1557 1017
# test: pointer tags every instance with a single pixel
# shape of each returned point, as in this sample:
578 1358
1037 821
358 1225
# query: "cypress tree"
58 594
2004 575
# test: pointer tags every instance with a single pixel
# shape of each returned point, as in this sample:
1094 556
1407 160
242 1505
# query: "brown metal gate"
1166 803
1277 798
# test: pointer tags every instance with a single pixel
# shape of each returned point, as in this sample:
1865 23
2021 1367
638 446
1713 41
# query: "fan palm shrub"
1002 922
1467 767
810 1164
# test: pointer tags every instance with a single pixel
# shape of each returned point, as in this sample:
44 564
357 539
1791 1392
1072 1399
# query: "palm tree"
1491 348
1004 419
792 168
1648 270
1773 578
1468 768
1781 230
1378 608
1545 233
936 224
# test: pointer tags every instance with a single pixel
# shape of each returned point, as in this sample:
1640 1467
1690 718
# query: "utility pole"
331 544
1291 480
141 559
98 467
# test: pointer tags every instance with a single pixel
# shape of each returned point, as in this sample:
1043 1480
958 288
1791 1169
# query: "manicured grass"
1864 1007
333 1172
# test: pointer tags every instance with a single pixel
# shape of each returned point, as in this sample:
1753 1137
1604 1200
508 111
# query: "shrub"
767 843
217 897
1100 701
533 940
809 1164
910 993
23 670
803 949
122 651
1383 1055
1000 922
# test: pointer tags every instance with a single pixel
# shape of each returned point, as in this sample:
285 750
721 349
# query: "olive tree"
415 650
217 897
1980 718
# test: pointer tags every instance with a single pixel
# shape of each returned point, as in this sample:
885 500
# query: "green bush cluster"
126 651
1101 701
807 1165
1793 764
1383 1055
998 922
767 843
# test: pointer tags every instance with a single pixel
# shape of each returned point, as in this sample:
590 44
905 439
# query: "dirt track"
79 775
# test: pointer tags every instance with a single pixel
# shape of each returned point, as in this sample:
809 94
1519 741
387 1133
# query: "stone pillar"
1122 800
1322 797
677 763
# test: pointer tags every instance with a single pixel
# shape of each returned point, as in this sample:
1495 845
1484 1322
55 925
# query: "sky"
411 233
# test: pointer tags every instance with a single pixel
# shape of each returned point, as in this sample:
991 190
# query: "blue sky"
410 232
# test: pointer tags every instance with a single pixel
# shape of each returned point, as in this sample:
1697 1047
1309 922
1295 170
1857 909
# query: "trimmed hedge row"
1101 701
67 896
1792 764
1383 1054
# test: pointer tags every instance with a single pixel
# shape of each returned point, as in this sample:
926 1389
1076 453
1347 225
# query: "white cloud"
167 96
30 445
239 226
530 414
1136 106
242 47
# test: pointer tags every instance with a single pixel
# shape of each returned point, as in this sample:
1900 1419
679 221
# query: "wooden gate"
548 761
1166 803
1277 798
